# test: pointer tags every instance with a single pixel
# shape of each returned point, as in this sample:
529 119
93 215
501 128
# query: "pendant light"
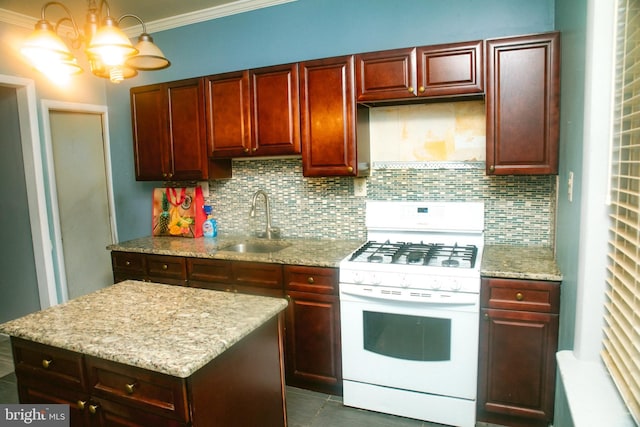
109 51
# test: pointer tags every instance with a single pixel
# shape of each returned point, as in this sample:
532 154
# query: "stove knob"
435 284
357 278
405 282
375 279
455 285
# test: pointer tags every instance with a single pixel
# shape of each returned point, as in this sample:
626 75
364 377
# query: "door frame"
49 105
34 179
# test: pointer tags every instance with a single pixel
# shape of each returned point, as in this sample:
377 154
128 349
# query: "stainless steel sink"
256 247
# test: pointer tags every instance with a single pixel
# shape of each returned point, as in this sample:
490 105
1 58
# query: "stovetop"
422 254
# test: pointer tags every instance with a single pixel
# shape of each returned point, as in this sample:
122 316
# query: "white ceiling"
157 14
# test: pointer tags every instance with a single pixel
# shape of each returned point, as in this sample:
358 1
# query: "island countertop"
309 252
163 328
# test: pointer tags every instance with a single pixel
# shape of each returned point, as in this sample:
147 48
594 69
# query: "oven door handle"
422 297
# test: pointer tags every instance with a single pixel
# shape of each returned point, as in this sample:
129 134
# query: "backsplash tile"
519 210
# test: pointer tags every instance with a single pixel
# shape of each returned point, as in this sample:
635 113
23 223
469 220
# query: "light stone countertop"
520 262
169 329
309 252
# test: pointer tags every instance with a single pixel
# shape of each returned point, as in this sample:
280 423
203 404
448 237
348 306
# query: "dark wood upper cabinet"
228 114
428 71
334 128
253 112
523 104
168 131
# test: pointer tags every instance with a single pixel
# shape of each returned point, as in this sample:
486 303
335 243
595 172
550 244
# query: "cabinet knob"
46 363
410 89
93 409
254 149
164 175
165 266
127 263
492 168
311 280
519 296
246 150
421 89
486 316
81 404
130 388
350 169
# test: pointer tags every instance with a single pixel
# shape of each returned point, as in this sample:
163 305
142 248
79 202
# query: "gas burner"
426 254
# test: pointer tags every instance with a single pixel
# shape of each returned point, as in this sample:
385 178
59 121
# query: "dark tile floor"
304 408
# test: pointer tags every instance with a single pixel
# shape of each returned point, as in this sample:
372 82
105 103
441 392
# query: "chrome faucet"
270 232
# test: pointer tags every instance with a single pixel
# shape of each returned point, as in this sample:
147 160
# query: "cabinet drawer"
128 262
170 267
523 295
48 364
208 270
259 274
151 391
311 279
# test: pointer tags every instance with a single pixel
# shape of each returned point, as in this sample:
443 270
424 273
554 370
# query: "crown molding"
177 21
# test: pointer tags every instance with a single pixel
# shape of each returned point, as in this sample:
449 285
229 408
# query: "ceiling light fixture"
109 51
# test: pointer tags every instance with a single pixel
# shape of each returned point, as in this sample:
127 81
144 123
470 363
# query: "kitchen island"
141 353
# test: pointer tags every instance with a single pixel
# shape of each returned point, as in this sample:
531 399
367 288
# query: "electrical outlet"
359 187
570 187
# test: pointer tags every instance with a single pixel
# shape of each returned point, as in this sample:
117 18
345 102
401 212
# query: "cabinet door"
390 74
187 146
313 354
228 114
522 101
329 117
517 366
148 118
452 69
275 108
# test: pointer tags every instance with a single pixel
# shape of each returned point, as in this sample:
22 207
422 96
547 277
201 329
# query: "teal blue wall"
305 29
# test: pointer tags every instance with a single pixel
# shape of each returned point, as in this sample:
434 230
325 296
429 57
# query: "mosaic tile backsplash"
519 210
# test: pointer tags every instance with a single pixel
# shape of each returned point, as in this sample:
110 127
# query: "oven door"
423 347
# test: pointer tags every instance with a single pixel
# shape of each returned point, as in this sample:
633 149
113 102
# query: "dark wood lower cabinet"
313 355
244 386
518 342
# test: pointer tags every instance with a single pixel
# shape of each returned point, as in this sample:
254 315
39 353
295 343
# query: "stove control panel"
411 281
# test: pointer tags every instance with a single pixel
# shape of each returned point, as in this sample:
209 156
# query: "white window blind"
621 350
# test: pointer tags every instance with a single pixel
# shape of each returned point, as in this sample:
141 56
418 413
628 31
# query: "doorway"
28 280
77 151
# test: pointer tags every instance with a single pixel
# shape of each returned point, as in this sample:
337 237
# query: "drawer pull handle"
311 280
486 316
130 388
165 266
410 89
127 263
46 363
519 296
93 409
421 89
81 404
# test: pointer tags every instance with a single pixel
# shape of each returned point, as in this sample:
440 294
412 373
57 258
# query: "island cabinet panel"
518 342
523 104
139 388
335 136
413 73
313 352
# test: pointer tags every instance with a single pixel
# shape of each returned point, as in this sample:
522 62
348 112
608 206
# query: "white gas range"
410 301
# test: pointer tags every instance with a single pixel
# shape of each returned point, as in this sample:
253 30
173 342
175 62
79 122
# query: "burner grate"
428 254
